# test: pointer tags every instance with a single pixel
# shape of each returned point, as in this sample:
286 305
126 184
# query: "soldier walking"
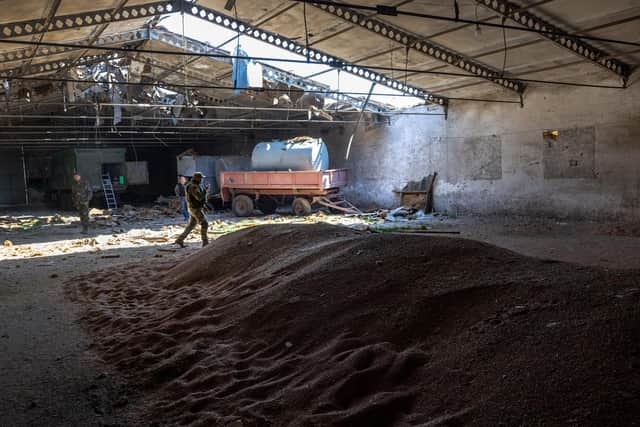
196 195
81 195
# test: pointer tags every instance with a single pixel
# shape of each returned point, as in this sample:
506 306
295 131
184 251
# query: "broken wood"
418 231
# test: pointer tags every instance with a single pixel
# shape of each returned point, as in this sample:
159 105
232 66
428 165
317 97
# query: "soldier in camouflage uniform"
81 195
196 195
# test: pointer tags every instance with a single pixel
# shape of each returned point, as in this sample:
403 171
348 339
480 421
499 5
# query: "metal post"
24 175
355 128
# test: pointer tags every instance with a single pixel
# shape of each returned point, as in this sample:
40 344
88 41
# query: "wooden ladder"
109 194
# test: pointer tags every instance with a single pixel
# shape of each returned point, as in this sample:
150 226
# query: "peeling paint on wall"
570 153
482 157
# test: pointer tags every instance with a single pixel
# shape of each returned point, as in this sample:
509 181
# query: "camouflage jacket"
81 193
196 195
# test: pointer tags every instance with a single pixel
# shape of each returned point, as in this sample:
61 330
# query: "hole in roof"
353 81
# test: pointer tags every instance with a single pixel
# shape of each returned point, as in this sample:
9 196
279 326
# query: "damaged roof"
437 51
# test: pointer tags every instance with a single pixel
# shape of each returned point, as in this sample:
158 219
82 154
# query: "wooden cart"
270 189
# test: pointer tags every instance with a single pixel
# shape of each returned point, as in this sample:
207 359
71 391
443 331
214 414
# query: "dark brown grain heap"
323 326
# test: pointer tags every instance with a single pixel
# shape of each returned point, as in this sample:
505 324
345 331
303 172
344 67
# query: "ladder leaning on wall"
109 194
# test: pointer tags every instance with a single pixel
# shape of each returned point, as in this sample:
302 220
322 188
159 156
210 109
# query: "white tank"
297 155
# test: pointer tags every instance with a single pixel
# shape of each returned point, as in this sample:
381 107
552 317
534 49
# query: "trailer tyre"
242 205
267 205
301 207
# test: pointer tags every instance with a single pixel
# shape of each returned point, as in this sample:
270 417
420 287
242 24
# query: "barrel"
295 155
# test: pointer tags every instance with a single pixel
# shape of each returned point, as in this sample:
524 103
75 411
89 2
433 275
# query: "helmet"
198 175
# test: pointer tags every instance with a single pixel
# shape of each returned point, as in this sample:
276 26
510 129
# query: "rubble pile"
128 213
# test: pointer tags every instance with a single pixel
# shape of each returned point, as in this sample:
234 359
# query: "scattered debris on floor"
29 222
143 226
172 202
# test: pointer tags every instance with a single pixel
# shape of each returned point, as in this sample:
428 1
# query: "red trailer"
267 190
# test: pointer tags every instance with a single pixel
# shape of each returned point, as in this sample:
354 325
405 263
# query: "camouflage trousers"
83 210
196 216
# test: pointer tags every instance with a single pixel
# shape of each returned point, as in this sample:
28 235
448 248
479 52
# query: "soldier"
180 192
196 195
81 195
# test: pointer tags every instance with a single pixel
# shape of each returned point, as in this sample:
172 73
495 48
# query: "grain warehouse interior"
319 213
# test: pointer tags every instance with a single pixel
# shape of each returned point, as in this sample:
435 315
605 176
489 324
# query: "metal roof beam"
424 46
61 64
85 19
50 15
97 32
558 36
125 37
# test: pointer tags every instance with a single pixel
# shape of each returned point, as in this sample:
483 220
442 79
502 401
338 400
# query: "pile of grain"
323 326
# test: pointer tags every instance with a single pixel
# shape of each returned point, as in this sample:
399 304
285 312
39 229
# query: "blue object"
240 77
183 208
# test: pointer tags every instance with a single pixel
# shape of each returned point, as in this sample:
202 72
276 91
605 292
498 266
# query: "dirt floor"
54 375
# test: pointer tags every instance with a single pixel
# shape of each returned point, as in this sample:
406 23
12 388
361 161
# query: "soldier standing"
180 192
81 195
196 195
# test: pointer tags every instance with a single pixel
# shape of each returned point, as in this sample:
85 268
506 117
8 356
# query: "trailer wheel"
267 205
301 207
242 205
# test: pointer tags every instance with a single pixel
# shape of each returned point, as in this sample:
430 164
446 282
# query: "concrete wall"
496 158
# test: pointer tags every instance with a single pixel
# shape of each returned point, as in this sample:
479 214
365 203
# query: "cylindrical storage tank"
294 155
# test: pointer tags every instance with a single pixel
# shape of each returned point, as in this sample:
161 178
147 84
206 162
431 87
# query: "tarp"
240 77
254 74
